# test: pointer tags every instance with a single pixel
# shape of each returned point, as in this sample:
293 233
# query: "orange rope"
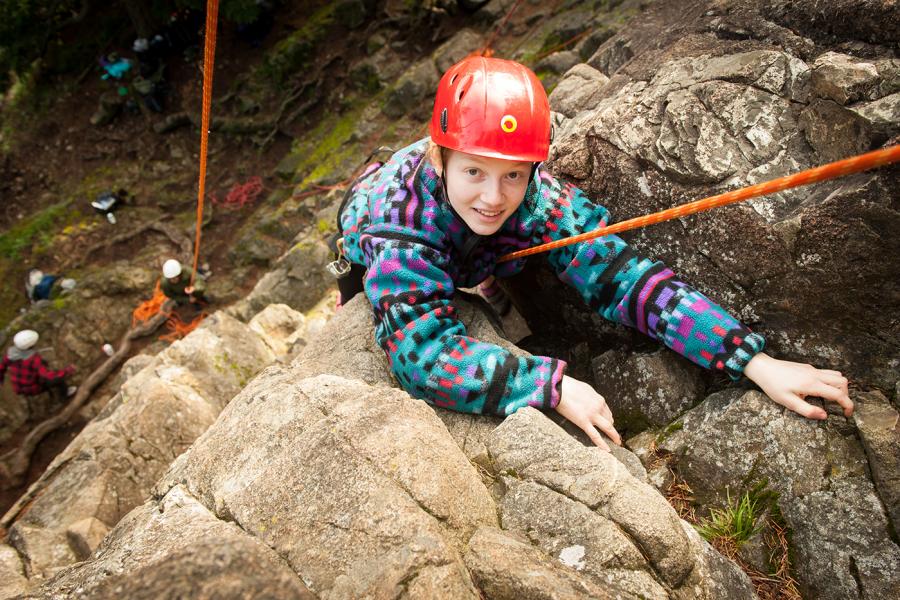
209 56
147 309
178 328
854 164
550 51
487 50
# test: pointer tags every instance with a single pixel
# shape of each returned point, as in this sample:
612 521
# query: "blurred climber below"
176 284
41 286
29 374
439 214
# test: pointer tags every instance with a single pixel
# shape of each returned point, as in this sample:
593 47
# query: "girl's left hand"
789 383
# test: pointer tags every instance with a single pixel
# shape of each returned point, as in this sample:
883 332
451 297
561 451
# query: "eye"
515 176
471 172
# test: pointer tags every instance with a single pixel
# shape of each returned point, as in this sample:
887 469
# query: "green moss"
365 79
38 228
324 226
328 158
546 76
225 365
293 52
668 431
59 303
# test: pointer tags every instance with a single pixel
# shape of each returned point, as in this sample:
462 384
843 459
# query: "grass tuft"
738 521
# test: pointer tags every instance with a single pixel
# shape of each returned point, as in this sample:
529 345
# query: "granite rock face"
109 468
878 423
342 488
176 548
713 97
320 474
646 389
734 440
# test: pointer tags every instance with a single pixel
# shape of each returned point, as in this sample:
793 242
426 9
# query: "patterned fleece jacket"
417 250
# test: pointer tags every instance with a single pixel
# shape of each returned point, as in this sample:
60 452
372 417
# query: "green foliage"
24 26
238 11
738 521
38 228
54 32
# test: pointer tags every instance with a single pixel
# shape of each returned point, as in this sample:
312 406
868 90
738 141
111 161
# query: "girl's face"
484 191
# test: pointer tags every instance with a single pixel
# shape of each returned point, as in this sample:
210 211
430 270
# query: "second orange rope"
840 168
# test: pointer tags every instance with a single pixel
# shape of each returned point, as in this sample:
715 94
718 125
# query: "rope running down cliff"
209 59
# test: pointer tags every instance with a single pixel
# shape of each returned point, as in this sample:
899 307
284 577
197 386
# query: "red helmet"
492 107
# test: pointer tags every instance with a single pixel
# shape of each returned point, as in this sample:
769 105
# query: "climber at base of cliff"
440 212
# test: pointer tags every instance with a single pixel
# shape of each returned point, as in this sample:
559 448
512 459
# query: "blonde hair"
436 155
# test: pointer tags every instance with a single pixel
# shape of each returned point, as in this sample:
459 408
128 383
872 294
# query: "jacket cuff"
750 346
554 395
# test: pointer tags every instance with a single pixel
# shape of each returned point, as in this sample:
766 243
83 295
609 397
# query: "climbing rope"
840 168
147 309
558 47
487 49
209 56
178 328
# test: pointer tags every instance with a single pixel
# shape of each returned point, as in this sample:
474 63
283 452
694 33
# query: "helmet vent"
444 120
453 78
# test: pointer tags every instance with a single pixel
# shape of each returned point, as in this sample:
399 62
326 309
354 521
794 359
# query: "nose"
492 194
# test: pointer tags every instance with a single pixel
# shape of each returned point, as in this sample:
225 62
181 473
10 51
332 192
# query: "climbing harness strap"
340 267
847 166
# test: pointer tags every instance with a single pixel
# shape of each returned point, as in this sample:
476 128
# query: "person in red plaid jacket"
28 373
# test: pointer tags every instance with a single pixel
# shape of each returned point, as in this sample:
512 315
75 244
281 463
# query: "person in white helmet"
28 372
176 284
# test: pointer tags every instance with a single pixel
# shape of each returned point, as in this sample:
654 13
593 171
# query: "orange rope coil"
147 309
840 168
242 194
178 328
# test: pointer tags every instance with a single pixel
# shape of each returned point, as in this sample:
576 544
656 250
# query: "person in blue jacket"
440 212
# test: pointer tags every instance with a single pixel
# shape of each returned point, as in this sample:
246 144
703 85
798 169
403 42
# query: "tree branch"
14 464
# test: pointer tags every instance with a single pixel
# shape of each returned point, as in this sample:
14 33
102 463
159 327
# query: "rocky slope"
322 475
345 488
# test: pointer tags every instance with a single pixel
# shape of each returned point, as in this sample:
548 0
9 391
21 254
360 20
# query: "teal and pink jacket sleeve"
427 346
625 288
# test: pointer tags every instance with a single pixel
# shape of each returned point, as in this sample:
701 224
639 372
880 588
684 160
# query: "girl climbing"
440 212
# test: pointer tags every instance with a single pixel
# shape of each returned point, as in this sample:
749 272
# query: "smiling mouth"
488 213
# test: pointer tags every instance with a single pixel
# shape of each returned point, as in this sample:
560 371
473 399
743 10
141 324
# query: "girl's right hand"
587 409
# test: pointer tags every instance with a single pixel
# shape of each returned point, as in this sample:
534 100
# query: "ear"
434 155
